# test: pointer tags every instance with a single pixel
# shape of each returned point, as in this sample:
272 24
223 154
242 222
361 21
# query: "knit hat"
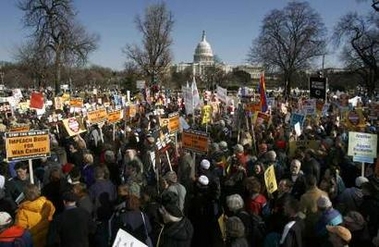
223 146
324 202
170 201
203 180
205 164
234 202
5 219
354 217
341 231
171 177
271 156
238 148
360 180
235 227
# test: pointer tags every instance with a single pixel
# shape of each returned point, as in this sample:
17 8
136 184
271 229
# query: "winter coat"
36 216
176 234
9 236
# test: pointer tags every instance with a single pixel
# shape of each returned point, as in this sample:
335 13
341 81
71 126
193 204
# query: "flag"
262 93
195 94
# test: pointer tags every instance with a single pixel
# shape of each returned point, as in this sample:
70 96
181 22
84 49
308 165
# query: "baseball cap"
341 231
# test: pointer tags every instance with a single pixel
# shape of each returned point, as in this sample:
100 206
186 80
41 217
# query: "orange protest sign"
27 145
76 102
19 128
262 118
97 116
195 140
114 116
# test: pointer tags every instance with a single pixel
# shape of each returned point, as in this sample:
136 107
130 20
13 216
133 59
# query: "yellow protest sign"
114 116
27 145
270 179
354 119
172 123
221 224
206 114
97 116
73 126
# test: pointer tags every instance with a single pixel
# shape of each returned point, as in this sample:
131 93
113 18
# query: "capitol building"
202 58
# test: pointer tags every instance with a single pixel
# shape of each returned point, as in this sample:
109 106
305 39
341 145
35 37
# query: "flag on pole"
195 94
262 93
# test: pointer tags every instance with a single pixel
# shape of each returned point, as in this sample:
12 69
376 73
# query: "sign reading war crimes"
196 141
27 145
317 88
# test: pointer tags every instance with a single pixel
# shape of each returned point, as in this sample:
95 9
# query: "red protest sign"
36 100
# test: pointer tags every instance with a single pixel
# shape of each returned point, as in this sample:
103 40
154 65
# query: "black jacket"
177 234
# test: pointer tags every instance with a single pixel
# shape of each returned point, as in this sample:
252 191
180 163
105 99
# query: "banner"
317 88
270 179
27 145
196 141
97 116
73 126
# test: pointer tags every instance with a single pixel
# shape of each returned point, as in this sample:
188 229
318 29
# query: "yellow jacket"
36 216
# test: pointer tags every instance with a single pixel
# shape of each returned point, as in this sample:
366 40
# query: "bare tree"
154 56
57 34
359 36
289 40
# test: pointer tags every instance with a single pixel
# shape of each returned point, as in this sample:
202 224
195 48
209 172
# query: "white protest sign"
222 94
362 145
124 239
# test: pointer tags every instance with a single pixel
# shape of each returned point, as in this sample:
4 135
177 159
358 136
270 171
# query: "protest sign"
293 145
222 94
317 88
297 118
270 179
76 102
36 100
19 128
362 144
196 141
114 116
172 122
73 126
124 239
27 145
97 116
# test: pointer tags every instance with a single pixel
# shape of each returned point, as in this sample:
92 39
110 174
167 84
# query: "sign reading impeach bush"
27 145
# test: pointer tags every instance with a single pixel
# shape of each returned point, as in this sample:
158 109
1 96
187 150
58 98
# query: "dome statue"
203 52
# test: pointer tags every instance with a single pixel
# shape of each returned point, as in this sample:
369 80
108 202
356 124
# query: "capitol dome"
203 52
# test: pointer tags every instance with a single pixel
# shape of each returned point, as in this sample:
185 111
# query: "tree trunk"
57 73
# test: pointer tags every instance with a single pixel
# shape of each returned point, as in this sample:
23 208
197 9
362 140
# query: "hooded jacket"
36 216
9 236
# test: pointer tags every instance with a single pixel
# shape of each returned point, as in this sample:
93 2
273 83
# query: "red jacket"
254 205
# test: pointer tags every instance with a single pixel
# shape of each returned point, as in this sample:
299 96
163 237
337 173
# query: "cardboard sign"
172 122
76 102
362 144
270 179
73 126
317 88
19 128
97 116
27 145
114 116
196 141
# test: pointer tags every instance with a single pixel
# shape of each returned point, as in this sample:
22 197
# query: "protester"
11 234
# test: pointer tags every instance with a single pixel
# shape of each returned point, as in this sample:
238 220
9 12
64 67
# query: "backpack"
258 229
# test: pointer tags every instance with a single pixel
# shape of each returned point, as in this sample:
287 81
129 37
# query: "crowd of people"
96 183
